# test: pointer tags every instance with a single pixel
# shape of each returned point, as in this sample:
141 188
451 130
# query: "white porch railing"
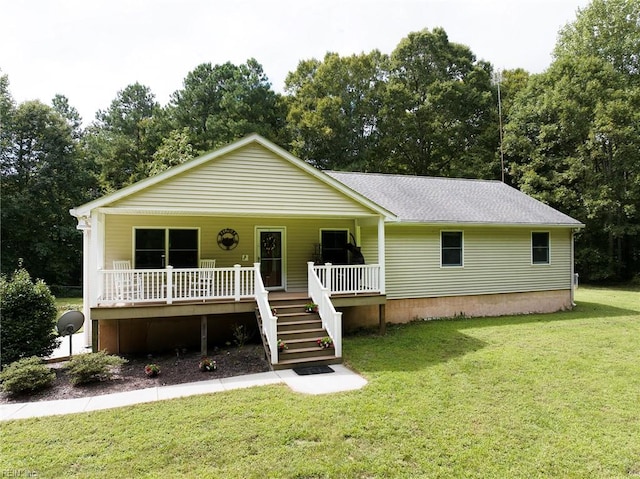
269 321
349 278
331 319
175 284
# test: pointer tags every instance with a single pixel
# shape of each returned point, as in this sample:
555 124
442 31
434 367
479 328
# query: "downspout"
573 283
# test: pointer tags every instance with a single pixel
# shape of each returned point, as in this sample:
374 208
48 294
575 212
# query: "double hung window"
451 248
540 248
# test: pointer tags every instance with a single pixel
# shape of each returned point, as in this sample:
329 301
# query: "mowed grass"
519 397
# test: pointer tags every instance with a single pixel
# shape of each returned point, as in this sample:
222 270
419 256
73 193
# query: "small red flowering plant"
152 370
325 342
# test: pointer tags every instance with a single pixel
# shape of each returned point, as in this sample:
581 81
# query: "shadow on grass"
420 344
410 347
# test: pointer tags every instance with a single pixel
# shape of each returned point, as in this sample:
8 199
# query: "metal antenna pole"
499 78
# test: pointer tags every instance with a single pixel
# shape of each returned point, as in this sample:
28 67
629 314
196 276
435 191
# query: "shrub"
28 318
26 374
93 367
241 335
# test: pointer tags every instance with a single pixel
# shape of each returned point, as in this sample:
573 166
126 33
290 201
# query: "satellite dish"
69 323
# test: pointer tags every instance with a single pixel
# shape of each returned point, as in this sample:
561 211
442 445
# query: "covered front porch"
233 226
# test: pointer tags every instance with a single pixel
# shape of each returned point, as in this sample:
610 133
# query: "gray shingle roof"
451 200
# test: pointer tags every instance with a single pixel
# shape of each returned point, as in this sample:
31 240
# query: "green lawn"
515 397
67 304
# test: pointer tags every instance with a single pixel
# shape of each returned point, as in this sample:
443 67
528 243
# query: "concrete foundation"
406 310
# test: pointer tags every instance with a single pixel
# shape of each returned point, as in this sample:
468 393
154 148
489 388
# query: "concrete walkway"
61 353
342 379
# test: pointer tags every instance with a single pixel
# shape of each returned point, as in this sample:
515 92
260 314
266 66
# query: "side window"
540 248
451 248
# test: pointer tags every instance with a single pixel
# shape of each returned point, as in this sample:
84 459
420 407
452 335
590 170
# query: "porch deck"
163 294
127 310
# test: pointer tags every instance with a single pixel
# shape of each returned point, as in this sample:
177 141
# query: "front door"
271 255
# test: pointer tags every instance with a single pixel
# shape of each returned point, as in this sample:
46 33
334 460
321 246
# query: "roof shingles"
452 200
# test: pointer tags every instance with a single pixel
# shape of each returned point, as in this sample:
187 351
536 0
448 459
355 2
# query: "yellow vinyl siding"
302 235
251 180
496 260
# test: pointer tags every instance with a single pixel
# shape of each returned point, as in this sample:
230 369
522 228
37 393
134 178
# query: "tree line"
571 135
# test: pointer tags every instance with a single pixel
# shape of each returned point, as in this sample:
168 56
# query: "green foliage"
26 374
350 113
42 178
441 102
334 111
28 318
93 367
219 104
125 136
241 334
573 135
609 30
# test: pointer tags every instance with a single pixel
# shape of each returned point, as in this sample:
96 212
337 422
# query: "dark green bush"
26 374
92 367
28 318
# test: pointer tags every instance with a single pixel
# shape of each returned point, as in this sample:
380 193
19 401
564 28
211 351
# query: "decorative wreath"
269 243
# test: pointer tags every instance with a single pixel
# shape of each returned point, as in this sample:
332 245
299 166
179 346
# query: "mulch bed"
177 367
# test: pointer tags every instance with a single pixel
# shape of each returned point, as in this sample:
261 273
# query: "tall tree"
61 104
41 179
609 30
124 137
334 110
581 151
440 109
220 103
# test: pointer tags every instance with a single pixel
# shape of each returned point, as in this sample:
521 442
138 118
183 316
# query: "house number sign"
228 239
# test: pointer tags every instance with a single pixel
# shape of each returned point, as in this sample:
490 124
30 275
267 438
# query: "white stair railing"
331 319
269 320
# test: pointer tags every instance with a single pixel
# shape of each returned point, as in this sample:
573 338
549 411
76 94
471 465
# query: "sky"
88 50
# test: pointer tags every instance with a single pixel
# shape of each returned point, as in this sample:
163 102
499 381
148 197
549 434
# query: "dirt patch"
175 368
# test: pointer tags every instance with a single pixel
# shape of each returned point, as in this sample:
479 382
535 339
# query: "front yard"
528 396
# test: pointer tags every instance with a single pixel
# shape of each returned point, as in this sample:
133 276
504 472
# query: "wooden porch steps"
300 331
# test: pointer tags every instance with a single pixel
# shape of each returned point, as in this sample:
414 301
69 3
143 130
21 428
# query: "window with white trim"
540 247
159 247
451 248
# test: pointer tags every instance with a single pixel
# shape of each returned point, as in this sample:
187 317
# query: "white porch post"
84 225
381 255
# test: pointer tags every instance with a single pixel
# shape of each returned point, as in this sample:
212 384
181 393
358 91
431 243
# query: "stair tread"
303 340
300 321
302 350
298 331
